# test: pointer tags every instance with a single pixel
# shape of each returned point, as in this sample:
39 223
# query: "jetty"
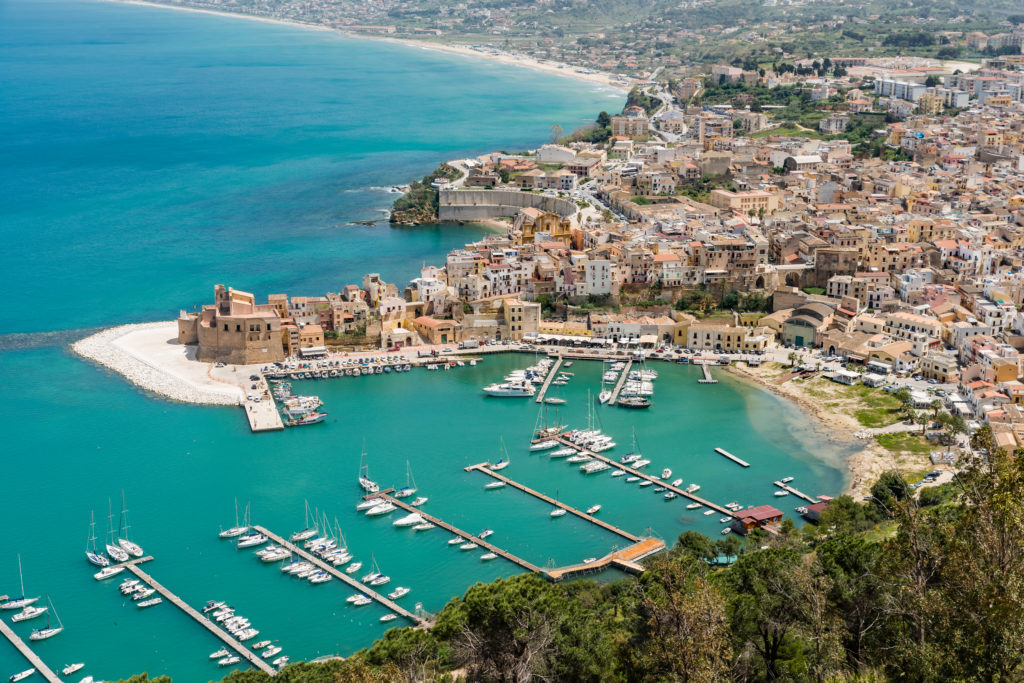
621 383
708 379
547 380
27 653
482 467
211 626
529 566
263 416
654 480
341 576
722 451
626 560
798 494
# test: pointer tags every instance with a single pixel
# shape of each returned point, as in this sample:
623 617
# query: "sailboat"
503 460
21 602
307 531
49 631
90 545
367 484
634 453
132 549
237 530
410 484
115 551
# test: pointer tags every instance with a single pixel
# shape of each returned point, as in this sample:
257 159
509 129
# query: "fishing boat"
22 675
108 572
91 555
558 512
666 473
398 592
116 552
308 531
22 602
420 500
545 445
410 484
488 556
30 612
238 529
381 509
593 510
367 484
123 538
49 631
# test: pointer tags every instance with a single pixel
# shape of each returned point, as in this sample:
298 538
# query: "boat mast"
21 577
340 534
110 522
124 517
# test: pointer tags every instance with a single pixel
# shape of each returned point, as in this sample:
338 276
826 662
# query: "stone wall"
475 205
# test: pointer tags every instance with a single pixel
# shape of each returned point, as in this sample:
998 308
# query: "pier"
621 383
340 575
529 566
654 480
798 494
625 560
27 653
708 379
482 467
263 416
547 380
722 451
211 626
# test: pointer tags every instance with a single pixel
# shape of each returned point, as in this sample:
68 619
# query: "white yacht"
595 467
252 540
30 612
107 572
677 482
367 484
381 509
488 556
388 617
619 473
281 661
90 545
468 546
72 668
411 519
671 495
641 463
49 631
558 512
644 483
693 506
494 485
380 580
22 675
150 603
133 549
410 484
22 602
562 452
455 540
238 529
666 473
367 504
425 526
593 510
485 533
513 389
228 661
780 494
545 445
307 532
693 488
398 592
353 568
270 652
420 500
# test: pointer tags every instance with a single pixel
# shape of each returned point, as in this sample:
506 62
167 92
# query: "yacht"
632 479
409 520
513 389
238 529
425 526
116 552
579 458
503 459
380 580
398 592
388 617
228 661
150 603
353 568
367 484
270 652
262 644
281 661
666 473
644 483
693 506
780 494
594 467
91 555
455 541
30 612
485 533
381 509
562 452
602 446
641 463
211 606
22 675
420 500
545 445
604 396
724 520
659 489
367 504
142 594
72 668
494 485
107 572
619 473
670 495
252 540
49 631
468 546
726 530
410 484
133 549
693 488
22 602
593 510
307 532
558 512
708 513
787 480
488 556
677 482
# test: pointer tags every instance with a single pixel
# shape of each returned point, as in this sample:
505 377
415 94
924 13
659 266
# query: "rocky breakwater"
148 356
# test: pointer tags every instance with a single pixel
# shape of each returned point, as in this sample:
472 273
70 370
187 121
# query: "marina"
28 654
244 652
621 382
789 489
547 380
727 454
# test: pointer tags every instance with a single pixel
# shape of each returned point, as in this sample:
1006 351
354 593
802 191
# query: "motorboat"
659 489
670 495
645 483
353 568
595 467
593 510
262 644
485 533
562 452
30 612
545 445
381 509
468 546
411 519
632 457
22 675
252 540
708 513
150 603
558 512
666 473
388 617
579 458
419 501
425 526
398 592
488 556
494 485
780 494
693 506
228 661
107 572
367 504
787 480
632 479
640 464
270 652
353 597
281 661
677 482
604 396
619 473
455 541
320 577
554 400
693 488
72 668
361 601
513 389
726 530
142 594
602 446
380 580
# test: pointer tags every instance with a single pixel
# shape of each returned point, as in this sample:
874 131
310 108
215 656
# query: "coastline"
864 466
553 68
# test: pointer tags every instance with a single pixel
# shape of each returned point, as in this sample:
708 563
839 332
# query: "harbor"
623 376
30 656
547 380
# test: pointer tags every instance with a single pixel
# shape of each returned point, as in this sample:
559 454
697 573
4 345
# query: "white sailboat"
90 545
307 532
238 529
410 484
22 602
49 631
503 460
123 540
367 484
116 552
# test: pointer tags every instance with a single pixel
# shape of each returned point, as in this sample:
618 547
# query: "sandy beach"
564 70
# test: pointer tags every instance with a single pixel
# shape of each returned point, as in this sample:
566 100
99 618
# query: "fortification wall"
471 205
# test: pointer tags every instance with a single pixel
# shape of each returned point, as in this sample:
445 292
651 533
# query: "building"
437 331
632 124
234 329
753 200
758 517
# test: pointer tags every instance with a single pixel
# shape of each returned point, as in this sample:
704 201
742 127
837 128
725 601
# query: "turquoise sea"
150 153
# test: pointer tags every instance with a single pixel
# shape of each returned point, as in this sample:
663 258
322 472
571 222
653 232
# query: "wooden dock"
655 480
621 383
529 566
341 576
547 380
798 494
722 451
625 560
28 654
482 467
211 626
708 379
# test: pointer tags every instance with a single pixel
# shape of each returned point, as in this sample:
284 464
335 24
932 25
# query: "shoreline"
553 68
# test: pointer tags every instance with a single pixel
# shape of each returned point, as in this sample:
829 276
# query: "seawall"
475 205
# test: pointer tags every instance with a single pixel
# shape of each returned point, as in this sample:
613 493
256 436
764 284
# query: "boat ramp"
742 463
27 653
621 383
211 626
798 494
342 576
547 380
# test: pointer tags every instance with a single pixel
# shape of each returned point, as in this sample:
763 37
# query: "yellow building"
754 200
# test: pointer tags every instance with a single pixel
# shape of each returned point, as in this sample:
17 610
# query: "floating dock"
27 653
211 626
340 575
638 473
482 467
722 451
529 566
708 379
798 494
547 380
621 383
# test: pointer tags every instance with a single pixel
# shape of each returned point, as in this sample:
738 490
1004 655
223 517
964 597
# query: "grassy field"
871 407
906 443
